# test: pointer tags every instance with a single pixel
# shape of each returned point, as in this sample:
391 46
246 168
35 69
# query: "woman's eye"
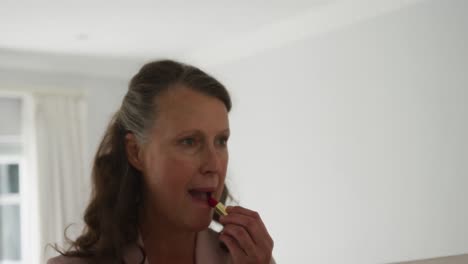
223 141
188 141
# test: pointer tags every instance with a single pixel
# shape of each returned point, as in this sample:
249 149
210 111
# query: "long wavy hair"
111 217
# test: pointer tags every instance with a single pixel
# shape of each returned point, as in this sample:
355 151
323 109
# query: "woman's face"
186 158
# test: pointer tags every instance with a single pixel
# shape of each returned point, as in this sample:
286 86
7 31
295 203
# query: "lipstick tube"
219 207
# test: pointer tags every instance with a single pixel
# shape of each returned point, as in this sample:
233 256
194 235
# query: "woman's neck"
164 243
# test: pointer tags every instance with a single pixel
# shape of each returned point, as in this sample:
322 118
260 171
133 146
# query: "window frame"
14 199
28 187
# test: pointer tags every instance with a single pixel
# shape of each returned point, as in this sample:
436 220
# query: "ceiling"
70 35
136 28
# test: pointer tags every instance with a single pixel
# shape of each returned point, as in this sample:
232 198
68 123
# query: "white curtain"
61 148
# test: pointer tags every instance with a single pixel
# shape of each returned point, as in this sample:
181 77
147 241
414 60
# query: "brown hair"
111 217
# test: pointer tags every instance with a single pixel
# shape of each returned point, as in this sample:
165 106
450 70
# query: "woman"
163 154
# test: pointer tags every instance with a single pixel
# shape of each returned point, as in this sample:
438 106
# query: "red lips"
201 193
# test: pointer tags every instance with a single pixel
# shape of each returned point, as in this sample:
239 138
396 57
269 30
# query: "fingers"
241 237
246 236
242 210
253 225
235 250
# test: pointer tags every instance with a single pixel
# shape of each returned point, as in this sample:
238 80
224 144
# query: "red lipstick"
219 207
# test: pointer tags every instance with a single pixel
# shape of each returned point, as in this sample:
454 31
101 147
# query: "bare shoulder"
66 260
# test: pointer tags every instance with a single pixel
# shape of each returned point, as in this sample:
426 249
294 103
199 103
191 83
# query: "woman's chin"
199 224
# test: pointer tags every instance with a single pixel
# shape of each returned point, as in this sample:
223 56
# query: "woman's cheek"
180 168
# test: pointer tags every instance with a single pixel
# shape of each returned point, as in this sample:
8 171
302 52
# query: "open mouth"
201 196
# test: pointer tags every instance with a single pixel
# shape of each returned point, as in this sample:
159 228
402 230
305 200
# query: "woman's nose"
211 161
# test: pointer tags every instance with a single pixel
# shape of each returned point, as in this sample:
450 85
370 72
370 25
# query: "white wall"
352 145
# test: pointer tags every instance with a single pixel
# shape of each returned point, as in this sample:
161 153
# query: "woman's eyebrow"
198 131
190 131
225 131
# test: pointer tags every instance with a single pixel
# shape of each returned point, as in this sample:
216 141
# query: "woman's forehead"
186 109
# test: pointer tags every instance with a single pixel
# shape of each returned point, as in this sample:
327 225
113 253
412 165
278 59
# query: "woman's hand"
246 236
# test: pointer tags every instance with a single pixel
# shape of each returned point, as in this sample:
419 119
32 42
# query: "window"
17 222
10 202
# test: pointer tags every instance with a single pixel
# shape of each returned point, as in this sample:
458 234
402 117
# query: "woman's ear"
133 151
